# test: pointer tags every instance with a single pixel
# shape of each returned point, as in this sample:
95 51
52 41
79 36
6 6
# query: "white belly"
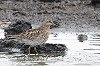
38 41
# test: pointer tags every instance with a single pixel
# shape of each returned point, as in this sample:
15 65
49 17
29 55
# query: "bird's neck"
45 27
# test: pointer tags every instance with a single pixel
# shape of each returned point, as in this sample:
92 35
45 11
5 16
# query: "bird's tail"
11 36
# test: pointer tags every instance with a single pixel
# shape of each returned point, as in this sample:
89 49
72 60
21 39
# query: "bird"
34 37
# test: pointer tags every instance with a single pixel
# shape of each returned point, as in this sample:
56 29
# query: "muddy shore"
74 16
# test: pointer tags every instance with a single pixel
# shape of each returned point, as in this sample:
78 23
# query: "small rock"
94 2
10 44
82 37
19 0
50 0
19 13
46 49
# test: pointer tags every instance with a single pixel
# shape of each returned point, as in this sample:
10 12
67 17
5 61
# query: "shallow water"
85 53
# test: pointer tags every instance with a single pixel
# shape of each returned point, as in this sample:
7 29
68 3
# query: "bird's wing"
16 36
31 34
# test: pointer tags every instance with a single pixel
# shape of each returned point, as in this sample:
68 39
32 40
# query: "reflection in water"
41 64
80 53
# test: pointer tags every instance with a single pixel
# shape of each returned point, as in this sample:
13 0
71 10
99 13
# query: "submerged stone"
82 37
48 48
95 3
45 48
50 0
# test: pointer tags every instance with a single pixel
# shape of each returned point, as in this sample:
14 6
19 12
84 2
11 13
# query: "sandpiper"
34 37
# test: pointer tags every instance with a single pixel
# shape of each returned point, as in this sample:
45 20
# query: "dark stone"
19 13
10 44
50 0
4 49
45 48
94 2
15 9
1 9
7 45
98 20
82 37
14 0
18 27
19 0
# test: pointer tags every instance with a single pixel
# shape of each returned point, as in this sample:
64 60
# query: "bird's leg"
29 50
35 50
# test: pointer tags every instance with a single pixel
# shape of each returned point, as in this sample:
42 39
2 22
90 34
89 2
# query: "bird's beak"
52 23
2 23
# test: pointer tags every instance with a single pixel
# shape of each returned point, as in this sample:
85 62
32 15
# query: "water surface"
85 53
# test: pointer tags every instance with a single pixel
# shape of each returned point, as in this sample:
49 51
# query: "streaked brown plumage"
34 36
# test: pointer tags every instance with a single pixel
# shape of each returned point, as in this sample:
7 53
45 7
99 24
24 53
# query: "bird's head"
46 25
49 23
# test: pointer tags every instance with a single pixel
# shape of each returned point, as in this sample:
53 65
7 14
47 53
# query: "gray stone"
82 37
